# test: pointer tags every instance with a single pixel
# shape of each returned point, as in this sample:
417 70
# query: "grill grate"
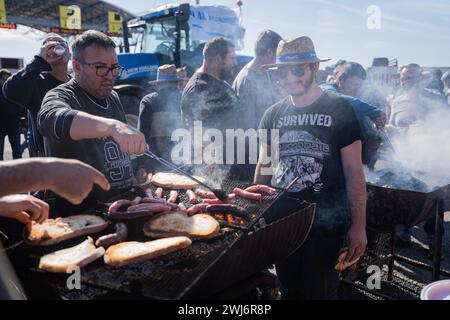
169 277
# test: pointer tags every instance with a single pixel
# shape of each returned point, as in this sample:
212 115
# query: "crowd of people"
86 152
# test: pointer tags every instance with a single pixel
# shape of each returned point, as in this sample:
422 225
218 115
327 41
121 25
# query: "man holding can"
28 87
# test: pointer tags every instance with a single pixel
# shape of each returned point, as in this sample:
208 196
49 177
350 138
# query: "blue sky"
411 30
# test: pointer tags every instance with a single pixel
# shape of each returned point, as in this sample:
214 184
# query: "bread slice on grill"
200 226
169 180
63 261
133 252
53 231
343 265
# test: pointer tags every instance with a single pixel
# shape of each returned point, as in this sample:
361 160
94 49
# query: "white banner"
207 22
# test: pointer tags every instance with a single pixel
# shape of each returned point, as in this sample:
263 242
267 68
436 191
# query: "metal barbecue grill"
208 266
390 210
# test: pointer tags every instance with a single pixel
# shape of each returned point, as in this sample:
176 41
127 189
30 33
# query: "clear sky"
410 30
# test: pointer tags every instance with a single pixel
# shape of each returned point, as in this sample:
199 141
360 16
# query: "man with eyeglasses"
28 87
319 141
84 119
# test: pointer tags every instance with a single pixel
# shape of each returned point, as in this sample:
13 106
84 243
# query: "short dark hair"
266 40
3 72
349 70
217 46
89 38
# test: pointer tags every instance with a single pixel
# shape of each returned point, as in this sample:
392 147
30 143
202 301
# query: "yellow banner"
114 22
2 12
70 17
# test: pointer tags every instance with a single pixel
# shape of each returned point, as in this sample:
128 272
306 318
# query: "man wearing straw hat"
319 141
160 115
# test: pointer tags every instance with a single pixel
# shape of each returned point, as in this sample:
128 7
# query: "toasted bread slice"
132 252
200 226
63 261
53 231
169 180
343 265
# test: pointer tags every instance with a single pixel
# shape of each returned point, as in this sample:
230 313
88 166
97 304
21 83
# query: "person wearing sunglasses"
28 87
317 139
84 119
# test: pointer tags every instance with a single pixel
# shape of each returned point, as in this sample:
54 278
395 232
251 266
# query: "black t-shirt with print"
55 118
310 139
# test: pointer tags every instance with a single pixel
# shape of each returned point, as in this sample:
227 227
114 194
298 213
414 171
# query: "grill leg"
392 255
438 233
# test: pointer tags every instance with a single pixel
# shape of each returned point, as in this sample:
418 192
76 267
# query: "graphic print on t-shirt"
117 163
301 155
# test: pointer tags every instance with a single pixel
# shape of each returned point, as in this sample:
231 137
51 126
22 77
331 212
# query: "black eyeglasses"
103 71
297 70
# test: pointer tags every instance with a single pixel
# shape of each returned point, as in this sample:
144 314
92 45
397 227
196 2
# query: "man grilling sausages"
84 119
320 142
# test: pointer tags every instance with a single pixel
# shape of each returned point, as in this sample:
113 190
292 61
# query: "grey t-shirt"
59 107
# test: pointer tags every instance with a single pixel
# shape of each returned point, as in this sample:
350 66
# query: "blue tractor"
172 34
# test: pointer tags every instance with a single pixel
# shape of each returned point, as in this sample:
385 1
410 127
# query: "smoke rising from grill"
421 160
424 149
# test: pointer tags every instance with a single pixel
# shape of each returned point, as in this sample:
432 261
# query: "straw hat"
296 51
166 73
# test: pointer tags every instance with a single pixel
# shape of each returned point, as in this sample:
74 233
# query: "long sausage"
212 201
151 207
205 194
159 192
261 188
173 197
118 204
198 208
120 235
191 196
162 201
248 195
182 207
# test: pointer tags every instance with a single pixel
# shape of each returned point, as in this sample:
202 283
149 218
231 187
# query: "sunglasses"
297 70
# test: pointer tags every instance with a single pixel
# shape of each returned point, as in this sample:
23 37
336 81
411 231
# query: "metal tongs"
219 193
387 139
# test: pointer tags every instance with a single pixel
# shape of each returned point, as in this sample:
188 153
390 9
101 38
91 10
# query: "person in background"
207 96
159 116
253 84
413 101
349 78
319 142
209 99
256 91
28 87
83 119
183 78
432 81
9 121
